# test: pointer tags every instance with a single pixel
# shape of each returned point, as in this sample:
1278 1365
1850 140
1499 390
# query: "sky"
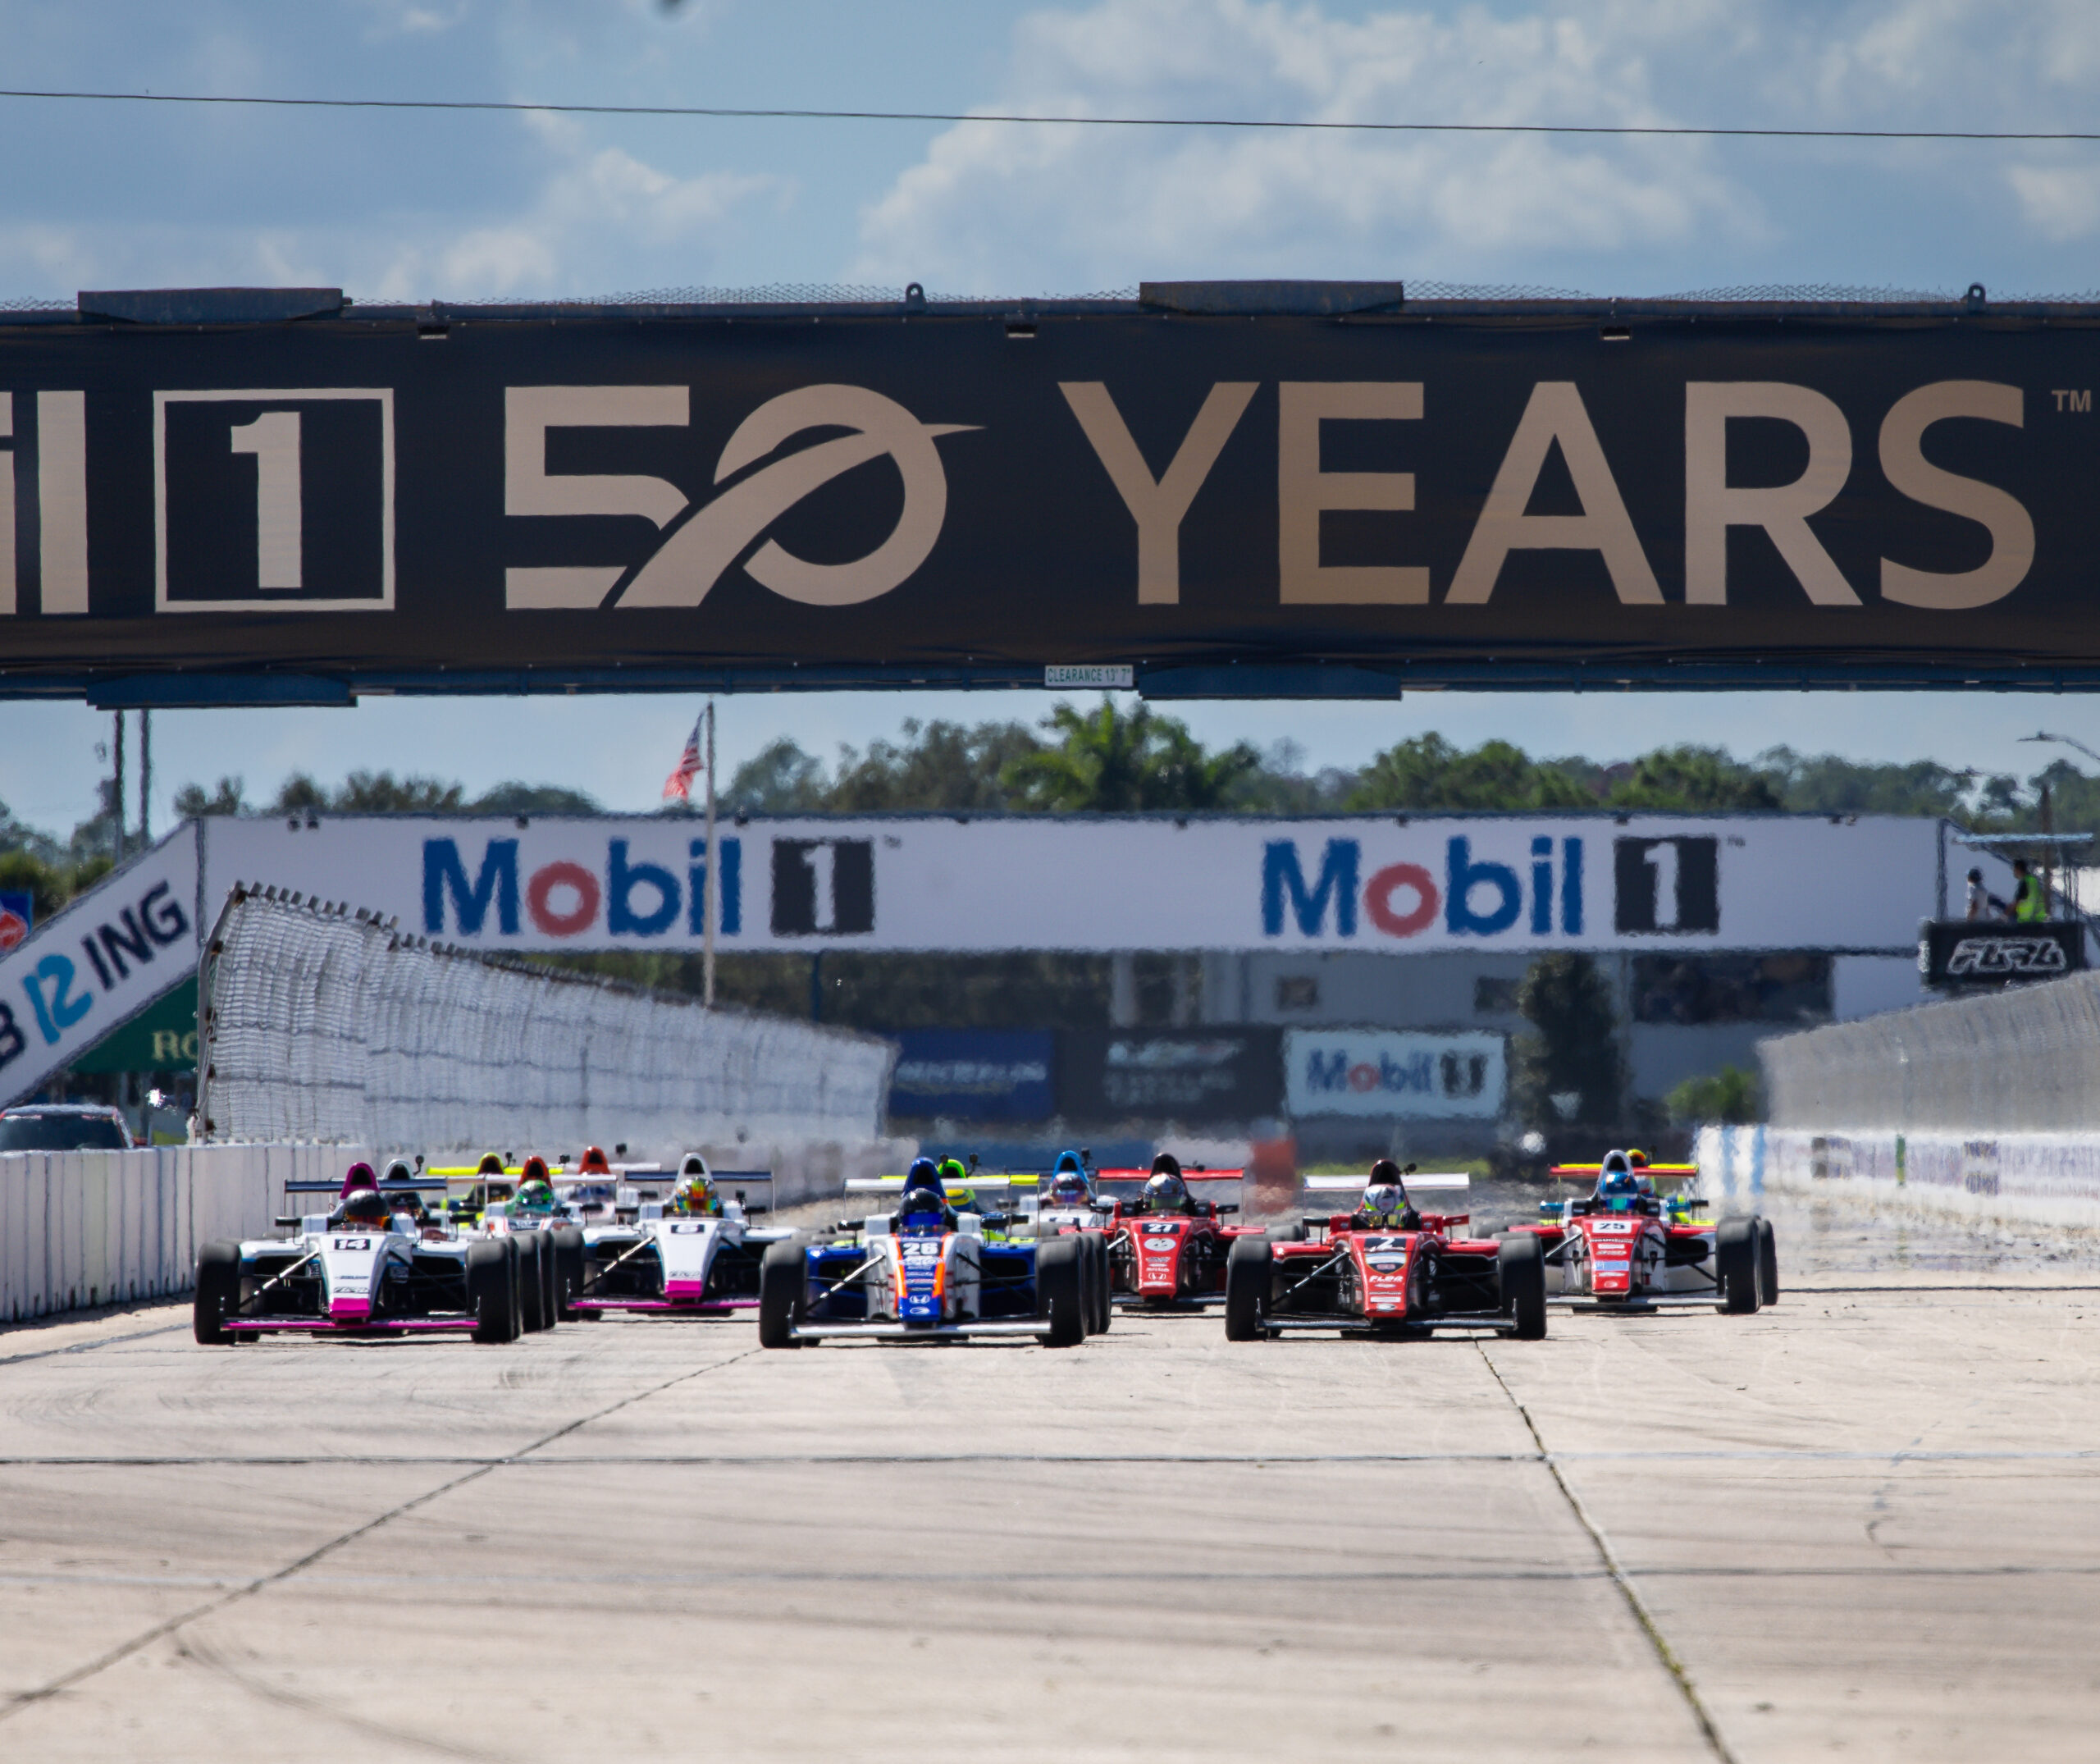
455 206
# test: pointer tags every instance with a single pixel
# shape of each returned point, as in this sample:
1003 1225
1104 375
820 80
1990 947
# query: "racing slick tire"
1768 1264
1735 1263
218 1291
1247 1267
566 1241
532 1289
1520 1279
493 1288
1094 1269
1294 1232
781 1294
1060 1292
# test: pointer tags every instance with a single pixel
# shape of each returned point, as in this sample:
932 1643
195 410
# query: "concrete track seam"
21 1700
1665 1652
89 1347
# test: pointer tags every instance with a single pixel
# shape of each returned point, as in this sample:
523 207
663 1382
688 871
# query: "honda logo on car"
1393 1073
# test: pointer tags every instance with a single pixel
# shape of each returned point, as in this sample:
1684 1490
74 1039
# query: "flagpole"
714 876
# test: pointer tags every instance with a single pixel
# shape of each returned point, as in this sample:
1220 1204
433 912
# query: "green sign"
161 1038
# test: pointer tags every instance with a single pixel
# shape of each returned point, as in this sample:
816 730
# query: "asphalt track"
1864 1523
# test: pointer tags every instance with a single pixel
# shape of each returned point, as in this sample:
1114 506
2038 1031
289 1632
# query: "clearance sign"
1382 884
1318 477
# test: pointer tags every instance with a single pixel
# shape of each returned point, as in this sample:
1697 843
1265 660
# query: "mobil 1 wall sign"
692 494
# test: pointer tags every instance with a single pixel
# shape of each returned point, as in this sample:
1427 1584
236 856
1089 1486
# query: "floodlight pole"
116 795
713 877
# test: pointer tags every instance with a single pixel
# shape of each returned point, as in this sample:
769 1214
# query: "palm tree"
1108 763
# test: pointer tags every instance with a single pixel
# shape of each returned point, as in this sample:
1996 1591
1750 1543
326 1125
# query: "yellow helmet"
696 1195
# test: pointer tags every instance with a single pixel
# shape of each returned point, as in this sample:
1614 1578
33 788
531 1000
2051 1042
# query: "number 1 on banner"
273 438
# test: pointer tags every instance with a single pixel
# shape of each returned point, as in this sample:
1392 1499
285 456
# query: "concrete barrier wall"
2038 1178
108 1228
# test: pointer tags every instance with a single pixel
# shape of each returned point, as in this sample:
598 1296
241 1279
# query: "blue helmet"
1070 1185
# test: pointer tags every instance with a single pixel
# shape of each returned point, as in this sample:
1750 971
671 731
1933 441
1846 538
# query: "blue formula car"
927 1272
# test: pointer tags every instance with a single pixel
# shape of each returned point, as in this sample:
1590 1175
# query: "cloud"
1255 202
2062 202
987 203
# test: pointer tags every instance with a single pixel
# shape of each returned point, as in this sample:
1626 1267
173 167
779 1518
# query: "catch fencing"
318 1024
113 1228
2025 1061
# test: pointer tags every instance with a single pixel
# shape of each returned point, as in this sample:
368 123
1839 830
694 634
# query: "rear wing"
1129 1185
334 1186
1409 1184
963 1190
1661 1173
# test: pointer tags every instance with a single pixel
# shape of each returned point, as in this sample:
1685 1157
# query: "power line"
743 113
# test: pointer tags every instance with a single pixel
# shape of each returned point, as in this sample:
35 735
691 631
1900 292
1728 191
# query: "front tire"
1247 1265
492 1290
1520 1276
1103 1281
1735 1262
1768 1264
782 1294
218 1293
1060 1298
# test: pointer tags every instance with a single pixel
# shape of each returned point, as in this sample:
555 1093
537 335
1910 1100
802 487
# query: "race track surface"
1864 1524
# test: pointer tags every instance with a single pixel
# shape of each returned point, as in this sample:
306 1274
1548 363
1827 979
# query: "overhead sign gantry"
278 497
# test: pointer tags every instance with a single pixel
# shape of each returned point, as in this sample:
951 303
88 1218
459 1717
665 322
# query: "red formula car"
1640 1242
1385 1267
1166 1248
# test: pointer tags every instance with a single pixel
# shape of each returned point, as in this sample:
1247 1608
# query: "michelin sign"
1399 884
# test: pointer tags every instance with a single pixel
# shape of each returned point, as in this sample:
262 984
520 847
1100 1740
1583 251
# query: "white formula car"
702 1265
374 1265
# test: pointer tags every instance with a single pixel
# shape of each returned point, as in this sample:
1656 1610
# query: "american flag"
678 786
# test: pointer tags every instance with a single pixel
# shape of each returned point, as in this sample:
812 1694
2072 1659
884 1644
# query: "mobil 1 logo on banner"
273 501
1669 885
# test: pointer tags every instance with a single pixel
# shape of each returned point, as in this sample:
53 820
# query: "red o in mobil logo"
570 883
1416 888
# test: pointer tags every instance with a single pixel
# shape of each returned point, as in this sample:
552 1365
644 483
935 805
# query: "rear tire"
782 1294
1060 1299
1520 1277
492 1290
1768 1264
567 1243
1104 1301
218 1293
1294 1232
532 1289
1735 1261
1247 1265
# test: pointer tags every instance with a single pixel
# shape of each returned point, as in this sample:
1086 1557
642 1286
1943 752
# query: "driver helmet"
924 1204
695 1195
366 1206
535 1193
1384 1195
594 1162
1068 1184
1165 1191
1616 1182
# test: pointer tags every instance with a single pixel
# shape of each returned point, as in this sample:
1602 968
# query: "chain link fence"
320 1024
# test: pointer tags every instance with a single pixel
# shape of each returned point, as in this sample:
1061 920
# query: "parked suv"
63 1127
